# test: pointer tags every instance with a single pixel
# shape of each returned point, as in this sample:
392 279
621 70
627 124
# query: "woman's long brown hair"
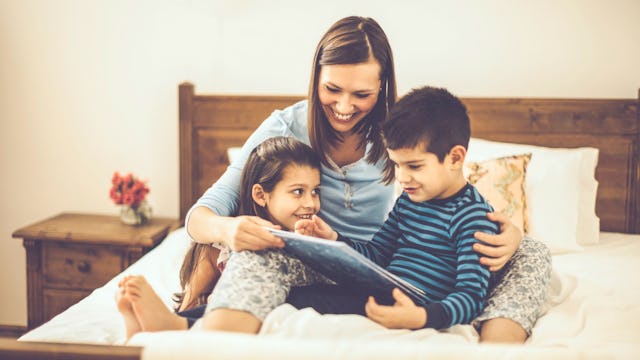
353 40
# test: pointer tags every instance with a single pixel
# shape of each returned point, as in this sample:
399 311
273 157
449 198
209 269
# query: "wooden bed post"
185 99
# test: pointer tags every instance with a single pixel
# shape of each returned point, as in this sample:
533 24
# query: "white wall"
90 87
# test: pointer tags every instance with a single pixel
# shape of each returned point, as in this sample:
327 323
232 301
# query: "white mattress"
594 313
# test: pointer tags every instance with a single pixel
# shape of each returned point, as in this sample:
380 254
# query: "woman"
351 90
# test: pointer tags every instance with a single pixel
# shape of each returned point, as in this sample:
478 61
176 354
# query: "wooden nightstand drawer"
79 266
69 255
56 301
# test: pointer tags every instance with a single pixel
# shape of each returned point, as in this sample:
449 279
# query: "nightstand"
70 255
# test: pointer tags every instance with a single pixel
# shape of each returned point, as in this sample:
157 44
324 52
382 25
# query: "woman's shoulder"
292 120
293 112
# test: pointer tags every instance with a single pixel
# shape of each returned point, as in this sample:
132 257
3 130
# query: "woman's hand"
315 227
404 314
239 233
498 249
249 233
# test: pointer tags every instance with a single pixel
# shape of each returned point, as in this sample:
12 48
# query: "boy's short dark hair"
427 116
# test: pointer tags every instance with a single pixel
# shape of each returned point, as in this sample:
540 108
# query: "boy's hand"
404 314
315 227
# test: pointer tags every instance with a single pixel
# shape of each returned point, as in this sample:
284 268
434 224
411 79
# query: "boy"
428 236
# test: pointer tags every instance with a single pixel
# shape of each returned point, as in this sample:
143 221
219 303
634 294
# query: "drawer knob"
84 266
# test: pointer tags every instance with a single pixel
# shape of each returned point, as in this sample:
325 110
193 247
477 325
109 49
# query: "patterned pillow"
502 182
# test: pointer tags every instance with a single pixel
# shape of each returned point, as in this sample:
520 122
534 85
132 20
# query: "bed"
593 311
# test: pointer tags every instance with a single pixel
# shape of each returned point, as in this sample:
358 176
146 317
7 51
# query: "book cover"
344 265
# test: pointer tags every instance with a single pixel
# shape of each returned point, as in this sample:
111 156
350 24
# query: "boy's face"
422 176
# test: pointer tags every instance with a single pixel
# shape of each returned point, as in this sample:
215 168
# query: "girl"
280 185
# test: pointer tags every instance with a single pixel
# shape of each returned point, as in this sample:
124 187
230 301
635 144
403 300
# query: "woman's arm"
212 218
500 247
239 233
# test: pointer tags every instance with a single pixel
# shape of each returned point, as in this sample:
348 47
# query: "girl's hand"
249 233
404 314
315 227
499 248
124 280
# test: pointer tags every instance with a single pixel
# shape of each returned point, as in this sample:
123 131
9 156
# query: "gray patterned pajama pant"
521 292
259 281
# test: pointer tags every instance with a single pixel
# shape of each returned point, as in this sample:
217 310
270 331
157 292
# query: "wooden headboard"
210 124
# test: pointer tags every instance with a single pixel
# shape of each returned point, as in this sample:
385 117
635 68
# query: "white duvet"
594 313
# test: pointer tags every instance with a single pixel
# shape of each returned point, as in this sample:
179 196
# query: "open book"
344 265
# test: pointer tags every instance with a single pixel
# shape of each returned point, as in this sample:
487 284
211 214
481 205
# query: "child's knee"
223 319
502 330
537 251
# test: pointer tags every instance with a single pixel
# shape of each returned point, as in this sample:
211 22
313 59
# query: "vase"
136 216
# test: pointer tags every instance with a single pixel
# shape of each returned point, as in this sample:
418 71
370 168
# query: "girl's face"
348 93
295 197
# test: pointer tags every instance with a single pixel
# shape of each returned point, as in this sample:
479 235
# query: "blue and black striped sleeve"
383 245
472 278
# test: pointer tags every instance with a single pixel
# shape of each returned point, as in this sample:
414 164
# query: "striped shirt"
429 244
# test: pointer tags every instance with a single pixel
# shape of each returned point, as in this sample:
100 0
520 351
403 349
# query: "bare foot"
202 280
124 306
149 309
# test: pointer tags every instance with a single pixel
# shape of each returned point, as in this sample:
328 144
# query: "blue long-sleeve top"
429 244
355 201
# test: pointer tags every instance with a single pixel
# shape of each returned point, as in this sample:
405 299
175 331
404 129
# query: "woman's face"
348 93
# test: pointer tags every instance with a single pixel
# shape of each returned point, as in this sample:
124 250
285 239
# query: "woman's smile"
343 117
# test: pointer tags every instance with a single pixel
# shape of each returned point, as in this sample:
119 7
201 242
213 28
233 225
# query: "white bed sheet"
594 312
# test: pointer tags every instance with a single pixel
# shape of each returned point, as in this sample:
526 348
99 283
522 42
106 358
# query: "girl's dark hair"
196 254
352 40
265 166
428 116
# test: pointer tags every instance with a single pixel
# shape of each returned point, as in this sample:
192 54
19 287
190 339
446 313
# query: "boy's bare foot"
149 309
124 306
202 280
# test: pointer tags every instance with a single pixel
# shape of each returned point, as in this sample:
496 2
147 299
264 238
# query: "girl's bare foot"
124 306
149 309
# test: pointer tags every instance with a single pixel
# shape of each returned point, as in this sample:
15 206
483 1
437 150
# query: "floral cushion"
502 183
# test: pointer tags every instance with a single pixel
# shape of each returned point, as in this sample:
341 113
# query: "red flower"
127 190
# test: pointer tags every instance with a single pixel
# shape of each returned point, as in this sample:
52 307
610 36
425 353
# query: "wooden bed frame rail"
26 350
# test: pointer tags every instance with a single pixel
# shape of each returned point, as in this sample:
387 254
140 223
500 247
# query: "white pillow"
560 189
